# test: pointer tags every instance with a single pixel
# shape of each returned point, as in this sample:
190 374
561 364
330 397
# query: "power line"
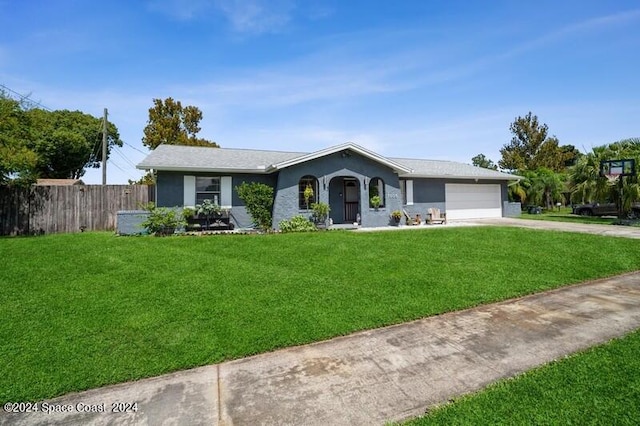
121 154
25 98
131 146
98 142
119 168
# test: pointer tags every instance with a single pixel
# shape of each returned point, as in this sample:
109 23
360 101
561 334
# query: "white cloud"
588 26
182 10
256 16
252 17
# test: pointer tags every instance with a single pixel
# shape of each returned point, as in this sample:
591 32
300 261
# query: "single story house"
343 176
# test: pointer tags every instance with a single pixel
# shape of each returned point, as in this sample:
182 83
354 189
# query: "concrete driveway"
370 377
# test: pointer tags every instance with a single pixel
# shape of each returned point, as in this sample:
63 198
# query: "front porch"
345 200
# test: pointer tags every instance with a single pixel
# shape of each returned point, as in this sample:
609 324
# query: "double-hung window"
207 188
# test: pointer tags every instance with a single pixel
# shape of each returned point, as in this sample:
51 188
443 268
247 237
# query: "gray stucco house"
343 176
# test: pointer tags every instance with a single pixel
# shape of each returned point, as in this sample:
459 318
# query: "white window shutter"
226 192
409 184
189 191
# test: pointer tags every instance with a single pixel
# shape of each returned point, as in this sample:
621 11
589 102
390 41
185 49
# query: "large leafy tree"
67 142
532 148
17 160
171 123
481 160
35 143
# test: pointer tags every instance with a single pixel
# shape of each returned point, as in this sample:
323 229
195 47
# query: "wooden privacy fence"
73 208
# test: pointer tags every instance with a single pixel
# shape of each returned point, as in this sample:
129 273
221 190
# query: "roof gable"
397 167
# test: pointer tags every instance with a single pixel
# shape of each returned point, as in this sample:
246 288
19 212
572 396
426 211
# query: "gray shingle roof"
195 158
451 169
192 158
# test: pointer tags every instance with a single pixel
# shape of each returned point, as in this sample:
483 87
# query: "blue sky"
425 79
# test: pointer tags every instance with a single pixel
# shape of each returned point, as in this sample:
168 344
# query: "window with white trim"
207 188
406 190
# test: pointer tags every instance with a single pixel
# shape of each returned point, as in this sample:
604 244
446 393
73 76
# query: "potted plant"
375 201
396 215
208 208
308 195
320 213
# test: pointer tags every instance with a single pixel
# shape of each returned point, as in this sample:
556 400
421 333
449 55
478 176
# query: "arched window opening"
307 192
376 193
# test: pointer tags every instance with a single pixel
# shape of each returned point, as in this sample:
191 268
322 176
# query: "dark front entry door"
351 203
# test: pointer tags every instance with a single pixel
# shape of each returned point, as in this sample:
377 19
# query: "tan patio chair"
434 216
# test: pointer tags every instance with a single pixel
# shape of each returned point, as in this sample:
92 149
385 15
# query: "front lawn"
84 310
600 386
565 215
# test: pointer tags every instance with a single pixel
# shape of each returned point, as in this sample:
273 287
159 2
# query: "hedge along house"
343 176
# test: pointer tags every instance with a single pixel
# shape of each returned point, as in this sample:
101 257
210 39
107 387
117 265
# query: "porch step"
344 226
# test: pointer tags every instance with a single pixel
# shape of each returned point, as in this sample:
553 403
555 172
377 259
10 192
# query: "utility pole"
104 148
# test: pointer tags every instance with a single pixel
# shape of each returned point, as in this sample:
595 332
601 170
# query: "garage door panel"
472 201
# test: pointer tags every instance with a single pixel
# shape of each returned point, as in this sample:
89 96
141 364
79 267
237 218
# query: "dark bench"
217 222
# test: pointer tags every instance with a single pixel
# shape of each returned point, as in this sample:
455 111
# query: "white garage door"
472 201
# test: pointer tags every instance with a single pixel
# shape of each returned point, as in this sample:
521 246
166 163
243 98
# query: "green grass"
600 386
84 310
565 215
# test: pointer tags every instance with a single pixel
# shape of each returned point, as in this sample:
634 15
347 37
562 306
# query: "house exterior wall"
329 171
170 191
428 193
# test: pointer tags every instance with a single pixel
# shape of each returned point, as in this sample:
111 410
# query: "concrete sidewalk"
369 377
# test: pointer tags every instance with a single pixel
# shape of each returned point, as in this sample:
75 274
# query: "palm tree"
585 180
589 186
517 191
546 187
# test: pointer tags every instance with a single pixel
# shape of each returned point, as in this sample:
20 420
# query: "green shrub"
188 212
297 224
163 221
258 199
320 212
